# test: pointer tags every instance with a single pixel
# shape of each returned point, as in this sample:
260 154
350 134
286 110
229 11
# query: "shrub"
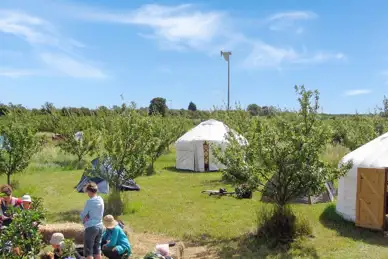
280 226
243 191
23 233
69 250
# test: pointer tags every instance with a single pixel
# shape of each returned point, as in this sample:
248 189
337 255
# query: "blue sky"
87 53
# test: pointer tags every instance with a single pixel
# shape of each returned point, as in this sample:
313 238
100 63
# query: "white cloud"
16 73
320 57
34 30
293 16
357 92
284 20
71 67
264 55
43 36
268 56
180 26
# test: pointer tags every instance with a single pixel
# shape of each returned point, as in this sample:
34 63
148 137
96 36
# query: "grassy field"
171 203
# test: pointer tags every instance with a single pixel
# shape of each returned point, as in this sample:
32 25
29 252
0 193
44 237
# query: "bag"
121 224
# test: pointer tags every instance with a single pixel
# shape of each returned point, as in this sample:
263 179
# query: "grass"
171 203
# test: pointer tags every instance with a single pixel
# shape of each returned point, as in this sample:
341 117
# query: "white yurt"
373 154
193 150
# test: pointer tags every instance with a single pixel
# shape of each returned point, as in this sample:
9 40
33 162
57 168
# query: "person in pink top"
7 201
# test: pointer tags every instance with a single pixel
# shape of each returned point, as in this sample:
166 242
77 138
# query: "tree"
384 112
192 107
19 145
127 145
158 106
285 153
80 136
164 132
3 109
48 108
254 109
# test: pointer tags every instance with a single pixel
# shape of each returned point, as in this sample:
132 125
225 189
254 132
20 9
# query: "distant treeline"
252 109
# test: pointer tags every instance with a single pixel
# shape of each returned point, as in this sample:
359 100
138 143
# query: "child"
57 241
26 202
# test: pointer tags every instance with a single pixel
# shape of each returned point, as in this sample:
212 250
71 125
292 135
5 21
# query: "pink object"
163 249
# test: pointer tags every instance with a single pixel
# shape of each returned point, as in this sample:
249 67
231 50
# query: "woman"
115 242
7 201
91 217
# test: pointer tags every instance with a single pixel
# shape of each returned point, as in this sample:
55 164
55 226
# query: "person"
91 217
7 201
115 243
57 241
26 202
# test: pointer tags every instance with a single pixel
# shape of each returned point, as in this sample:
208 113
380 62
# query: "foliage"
192 107
243 191
69 250
114 204
81 145
158 106
164 132
280 226
284 153
253 109
23 232
19 145
127 145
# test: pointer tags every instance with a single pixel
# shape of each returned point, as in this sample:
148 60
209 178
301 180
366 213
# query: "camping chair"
220 192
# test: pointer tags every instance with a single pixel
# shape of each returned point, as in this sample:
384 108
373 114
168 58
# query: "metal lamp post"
226 56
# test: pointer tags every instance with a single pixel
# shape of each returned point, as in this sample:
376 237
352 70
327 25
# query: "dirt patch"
142 243
145 242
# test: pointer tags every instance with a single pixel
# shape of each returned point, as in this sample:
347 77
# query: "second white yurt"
193 149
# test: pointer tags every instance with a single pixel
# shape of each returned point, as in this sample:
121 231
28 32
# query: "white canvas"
189 147
373 154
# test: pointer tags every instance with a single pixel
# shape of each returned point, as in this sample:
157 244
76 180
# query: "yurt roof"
373 154
210 130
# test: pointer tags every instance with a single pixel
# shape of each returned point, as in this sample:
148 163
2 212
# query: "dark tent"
325 196
103 185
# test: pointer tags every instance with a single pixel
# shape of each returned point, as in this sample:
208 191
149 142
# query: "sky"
92 52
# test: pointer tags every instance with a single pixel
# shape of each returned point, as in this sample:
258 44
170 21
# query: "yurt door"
370 198
206 155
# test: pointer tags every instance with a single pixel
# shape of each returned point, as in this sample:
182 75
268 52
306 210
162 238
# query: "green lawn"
171 203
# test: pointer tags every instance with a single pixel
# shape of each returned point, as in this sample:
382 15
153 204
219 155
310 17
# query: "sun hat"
57 239
110 222
26 198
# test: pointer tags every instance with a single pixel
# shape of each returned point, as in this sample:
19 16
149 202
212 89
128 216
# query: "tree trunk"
115 205
9 179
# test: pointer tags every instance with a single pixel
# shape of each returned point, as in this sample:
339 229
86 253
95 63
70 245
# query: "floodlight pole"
228 84
226 56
